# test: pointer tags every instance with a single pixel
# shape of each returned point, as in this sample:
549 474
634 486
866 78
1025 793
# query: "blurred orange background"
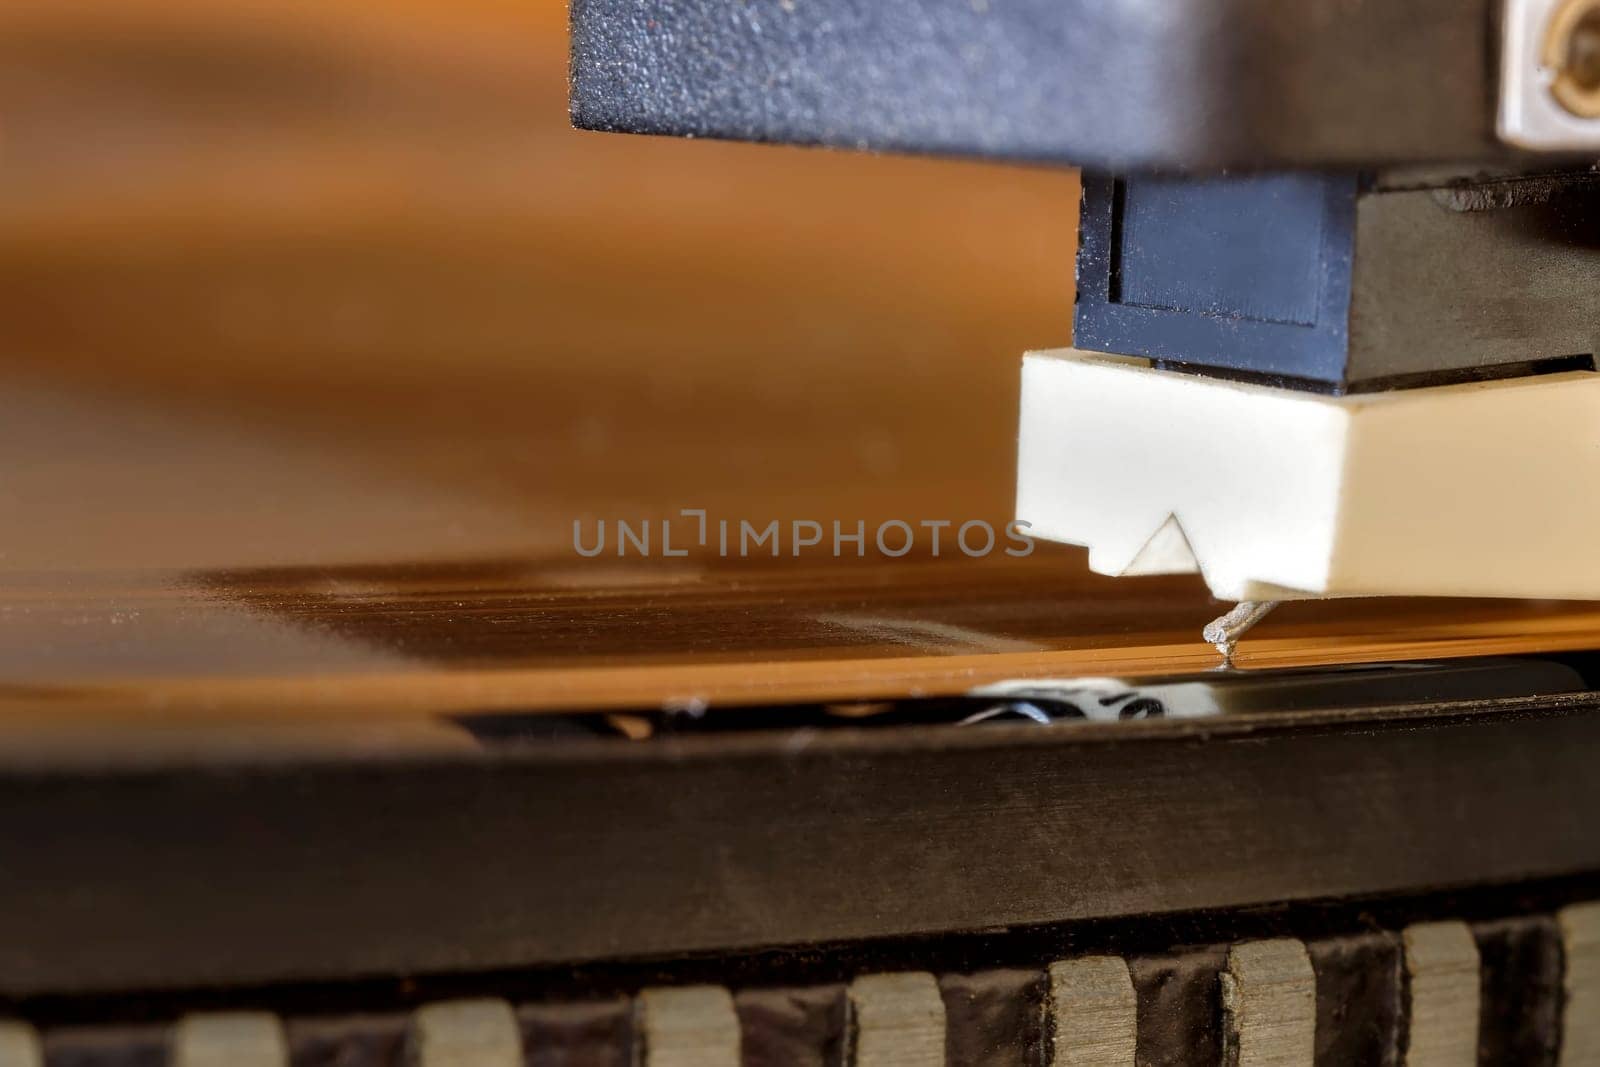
319 327
289 283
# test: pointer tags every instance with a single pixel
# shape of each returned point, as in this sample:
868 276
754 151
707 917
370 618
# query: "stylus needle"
1226 630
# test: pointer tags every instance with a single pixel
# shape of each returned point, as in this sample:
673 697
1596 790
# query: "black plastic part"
1360 998
995 1018
1340 282
1124 85
793 1027
1522 965
368 1040
755 842
111 1046
594 1034
1248 274
1180 1006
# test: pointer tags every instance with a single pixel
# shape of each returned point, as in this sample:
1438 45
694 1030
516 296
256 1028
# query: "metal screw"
1572 52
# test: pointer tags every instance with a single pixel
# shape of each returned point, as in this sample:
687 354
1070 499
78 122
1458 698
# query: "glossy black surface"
1118 84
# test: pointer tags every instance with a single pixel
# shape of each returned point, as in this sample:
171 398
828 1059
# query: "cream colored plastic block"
689 1026
1483 489
1269 1001
465 1033
1580 1016
898 1020
19 1045
1442 965
230 1039
1094 1013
